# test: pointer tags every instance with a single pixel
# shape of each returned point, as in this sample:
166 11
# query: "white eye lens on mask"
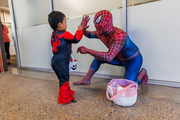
98 19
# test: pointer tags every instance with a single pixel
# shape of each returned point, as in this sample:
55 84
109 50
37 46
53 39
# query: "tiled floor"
28 94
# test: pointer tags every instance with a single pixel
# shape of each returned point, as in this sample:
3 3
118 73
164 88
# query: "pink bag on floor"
123 92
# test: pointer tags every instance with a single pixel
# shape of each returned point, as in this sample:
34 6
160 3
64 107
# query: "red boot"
86 79
143 76
72 92
65 94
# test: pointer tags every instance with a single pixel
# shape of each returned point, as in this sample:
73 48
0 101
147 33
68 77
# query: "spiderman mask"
103 22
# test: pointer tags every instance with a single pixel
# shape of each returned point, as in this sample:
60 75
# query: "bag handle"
72 58
121 92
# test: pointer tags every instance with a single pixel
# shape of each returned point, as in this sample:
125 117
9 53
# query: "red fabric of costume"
65 94
103 22
112 37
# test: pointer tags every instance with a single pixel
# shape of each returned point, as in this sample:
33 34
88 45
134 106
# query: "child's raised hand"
80 27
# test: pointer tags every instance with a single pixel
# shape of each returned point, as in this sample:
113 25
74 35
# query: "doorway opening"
6 20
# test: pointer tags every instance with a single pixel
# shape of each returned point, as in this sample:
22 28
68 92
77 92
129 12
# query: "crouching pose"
121 50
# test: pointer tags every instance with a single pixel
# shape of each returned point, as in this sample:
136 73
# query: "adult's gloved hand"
84 25
84 22
82 50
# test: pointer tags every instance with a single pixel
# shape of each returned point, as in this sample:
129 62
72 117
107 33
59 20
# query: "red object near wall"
1 62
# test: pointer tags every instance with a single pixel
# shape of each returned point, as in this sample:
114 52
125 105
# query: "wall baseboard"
164 83
96 75
150 81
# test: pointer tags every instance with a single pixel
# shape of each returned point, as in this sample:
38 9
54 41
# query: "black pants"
60 65
7 44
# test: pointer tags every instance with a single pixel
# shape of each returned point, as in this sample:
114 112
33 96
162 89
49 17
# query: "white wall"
155 28
33 33
75 8
135 2
35 48
30 12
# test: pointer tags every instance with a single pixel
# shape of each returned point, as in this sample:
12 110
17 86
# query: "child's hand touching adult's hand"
80 27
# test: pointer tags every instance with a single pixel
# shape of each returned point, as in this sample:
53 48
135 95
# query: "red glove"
83 24
82 50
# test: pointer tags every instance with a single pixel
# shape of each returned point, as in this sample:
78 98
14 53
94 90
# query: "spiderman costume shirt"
61 48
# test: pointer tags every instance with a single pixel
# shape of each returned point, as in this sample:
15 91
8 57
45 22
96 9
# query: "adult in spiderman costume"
122 51
61 47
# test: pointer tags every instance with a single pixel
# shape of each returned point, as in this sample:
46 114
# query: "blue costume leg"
96 63
93 68
132 66
60 66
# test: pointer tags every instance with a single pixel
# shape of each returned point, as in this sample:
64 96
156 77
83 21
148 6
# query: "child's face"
62 26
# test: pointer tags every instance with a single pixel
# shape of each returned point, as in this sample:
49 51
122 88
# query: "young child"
61 47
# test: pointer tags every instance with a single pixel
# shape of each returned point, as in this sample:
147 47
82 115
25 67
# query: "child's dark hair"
54 18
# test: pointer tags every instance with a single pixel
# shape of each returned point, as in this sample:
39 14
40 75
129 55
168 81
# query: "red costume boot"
86 79
143 77
65 94
72 92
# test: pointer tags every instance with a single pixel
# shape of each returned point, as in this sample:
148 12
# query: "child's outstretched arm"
84 26
70 38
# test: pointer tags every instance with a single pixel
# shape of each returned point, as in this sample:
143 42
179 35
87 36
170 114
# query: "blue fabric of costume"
132 66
